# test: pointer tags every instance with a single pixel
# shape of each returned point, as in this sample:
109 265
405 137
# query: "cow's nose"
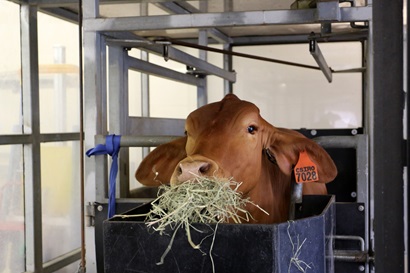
187 170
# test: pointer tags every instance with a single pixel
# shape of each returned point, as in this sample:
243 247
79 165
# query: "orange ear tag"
305 170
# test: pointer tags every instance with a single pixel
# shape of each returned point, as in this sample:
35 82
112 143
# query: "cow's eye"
252 129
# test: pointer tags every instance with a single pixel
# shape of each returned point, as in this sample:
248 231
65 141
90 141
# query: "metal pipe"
140 141
350 238
350 256
82 176
338 141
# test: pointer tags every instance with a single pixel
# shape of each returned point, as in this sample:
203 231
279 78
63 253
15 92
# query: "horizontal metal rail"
223 19
139 141
28 138
156 70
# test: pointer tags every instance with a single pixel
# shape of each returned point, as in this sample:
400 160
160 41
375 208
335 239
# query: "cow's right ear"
157 167
287 145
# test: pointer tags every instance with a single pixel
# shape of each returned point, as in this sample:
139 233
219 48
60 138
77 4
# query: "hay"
201 200
302 266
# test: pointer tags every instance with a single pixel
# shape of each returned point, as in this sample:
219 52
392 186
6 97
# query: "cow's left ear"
157 167
288 146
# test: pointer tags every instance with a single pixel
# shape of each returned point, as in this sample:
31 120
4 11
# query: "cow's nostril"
204 168
179 170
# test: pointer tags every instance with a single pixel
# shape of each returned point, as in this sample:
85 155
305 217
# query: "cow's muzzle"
190 167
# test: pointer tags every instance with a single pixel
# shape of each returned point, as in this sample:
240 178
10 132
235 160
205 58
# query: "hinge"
90 215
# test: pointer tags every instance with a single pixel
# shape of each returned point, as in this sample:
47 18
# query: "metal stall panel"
386 135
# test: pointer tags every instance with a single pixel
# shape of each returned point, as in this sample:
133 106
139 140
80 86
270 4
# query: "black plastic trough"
129 246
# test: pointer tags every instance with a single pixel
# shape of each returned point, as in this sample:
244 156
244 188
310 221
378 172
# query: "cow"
230 139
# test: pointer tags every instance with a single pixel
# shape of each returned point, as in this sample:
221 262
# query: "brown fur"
218 144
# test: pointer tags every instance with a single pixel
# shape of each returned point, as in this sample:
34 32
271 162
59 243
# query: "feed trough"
302 245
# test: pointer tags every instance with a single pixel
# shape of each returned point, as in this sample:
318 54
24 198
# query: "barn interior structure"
73 72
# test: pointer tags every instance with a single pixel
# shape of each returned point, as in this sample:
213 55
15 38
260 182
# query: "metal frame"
109 36
31 140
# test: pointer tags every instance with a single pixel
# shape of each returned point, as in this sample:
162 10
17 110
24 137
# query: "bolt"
354 132
361 208
353 194
361 267
313 132
100 208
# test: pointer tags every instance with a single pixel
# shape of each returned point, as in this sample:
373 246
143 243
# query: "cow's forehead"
225 110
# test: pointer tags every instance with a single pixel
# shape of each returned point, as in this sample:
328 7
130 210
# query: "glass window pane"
296 97
60 198
12 258
59 81
10 70
134 92
168 98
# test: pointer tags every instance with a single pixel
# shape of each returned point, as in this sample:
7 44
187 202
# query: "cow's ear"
287 146
157 167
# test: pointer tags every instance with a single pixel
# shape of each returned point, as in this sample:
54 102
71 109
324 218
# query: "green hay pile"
201 200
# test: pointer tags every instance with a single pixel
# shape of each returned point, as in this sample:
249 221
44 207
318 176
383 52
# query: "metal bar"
62 261
15 139
180 56
62 13
350 238
338 141
172 7
153 69
173 54
145 84
224 19
299 38
244 55
83 261
26 139
155 126
219 36
202 91
118 110
320 59
350 256
95 120
295 197
140 141
227 65
386 131
32 152
59 137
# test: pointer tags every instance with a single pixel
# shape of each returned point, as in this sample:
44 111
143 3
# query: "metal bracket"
328 10
195 72
320 59
354 256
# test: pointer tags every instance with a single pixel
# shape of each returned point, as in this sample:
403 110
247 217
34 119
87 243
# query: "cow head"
229 139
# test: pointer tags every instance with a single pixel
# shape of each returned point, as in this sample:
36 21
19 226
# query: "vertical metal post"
227 65
95 119
118 110
386 135
203 40
145 109
32 152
